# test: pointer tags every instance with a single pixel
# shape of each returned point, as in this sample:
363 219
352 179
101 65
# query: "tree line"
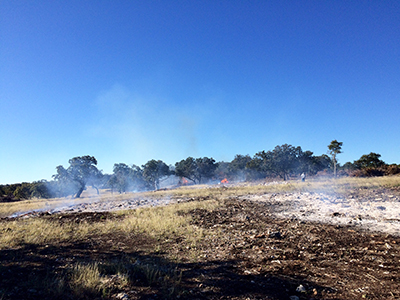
284 162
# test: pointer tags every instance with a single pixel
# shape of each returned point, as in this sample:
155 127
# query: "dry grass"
165 220
155 222
33 231
94 278
160 223
85 279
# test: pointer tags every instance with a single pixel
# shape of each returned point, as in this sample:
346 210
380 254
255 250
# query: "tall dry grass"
85 279
155 222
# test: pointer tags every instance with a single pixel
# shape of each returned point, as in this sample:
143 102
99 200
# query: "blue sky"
130 81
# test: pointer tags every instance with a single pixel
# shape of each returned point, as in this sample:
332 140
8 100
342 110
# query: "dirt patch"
85 217
246 253
330 262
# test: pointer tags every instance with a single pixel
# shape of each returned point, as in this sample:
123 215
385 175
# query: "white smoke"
138 128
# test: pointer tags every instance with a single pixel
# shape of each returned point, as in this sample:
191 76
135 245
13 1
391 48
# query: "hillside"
282 241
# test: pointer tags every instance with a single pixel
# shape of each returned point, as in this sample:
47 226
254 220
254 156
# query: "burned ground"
246 253
331 262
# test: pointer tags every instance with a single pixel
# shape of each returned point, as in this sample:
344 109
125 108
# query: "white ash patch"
375 213
115 205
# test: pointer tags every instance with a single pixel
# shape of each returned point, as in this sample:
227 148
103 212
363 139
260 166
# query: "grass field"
143 232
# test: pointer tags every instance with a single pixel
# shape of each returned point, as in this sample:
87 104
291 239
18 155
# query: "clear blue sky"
129 81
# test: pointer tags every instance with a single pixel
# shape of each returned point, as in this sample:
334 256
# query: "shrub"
369 172
392 169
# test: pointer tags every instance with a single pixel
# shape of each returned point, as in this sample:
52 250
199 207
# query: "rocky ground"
271 246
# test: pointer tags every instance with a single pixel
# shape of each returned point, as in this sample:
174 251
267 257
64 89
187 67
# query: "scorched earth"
281 245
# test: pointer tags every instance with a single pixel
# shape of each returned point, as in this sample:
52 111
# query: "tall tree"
153 171
285 160
335 148
81 171
122 177
282 161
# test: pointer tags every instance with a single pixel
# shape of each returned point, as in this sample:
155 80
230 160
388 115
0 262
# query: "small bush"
392 170
374 172
8 198
369 172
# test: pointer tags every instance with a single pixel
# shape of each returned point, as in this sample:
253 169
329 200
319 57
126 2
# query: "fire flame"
184 181
224 180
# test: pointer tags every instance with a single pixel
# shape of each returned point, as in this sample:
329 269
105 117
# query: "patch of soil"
330 262
84 217
246 253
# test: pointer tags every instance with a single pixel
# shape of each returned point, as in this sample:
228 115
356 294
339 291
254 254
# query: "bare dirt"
252 250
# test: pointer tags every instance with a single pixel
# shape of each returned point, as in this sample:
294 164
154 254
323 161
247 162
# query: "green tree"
285 160
348 166
122 177
335 148
258 166
320 163
40 189
112 182
282 161
22 191
238 167
186 168
153 171
305 162
222 171
196 170
139 182
81 171
371 160
205 168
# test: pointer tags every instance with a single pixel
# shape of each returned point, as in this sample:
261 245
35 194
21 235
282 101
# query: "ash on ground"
377 211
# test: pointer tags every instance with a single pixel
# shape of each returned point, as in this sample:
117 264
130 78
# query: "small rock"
276 261
122 296
294 298
276 235
301 289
